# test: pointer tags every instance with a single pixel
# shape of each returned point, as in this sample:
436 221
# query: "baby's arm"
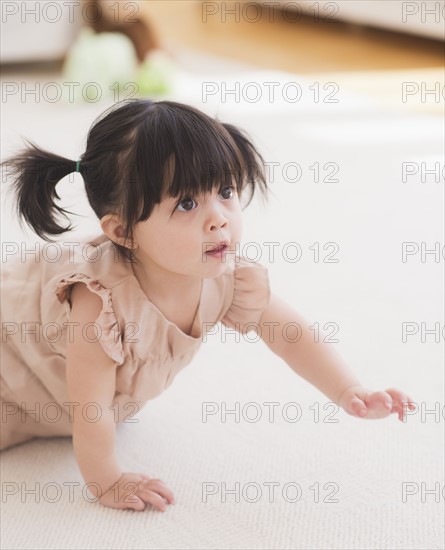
322 367
91 378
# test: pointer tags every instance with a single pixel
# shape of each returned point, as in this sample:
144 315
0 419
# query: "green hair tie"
78 166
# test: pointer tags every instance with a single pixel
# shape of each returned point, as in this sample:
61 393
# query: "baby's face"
179 231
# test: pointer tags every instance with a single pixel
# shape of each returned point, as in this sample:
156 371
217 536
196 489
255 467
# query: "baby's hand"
134 491
358 401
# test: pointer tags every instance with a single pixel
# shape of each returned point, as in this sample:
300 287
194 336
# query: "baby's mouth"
219 248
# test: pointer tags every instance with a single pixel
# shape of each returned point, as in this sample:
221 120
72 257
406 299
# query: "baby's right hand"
134 491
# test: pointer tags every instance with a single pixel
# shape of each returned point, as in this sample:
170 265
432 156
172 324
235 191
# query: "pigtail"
35 174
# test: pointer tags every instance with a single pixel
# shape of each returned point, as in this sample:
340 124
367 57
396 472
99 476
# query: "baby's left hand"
358 401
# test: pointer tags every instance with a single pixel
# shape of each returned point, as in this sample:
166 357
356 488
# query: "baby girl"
90 334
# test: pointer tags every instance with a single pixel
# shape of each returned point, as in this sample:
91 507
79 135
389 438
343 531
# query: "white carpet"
351 473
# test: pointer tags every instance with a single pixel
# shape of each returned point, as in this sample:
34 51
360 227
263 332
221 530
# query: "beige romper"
148 349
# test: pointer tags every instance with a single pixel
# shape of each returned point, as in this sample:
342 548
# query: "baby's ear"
112 227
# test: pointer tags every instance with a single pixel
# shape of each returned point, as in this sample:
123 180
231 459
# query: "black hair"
138 152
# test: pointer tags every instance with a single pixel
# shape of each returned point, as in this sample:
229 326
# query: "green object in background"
105 66
97 61
154 75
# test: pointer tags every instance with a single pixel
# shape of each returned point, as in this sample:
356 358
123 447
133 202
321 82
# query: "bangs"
200 166
181 151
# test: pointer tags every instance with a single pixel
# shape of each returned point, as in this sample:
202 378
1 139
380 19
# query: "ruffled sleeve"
108 333
251 295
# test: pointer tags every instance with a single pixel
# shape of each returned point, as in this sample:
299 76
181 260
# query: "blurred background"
345 100
298 36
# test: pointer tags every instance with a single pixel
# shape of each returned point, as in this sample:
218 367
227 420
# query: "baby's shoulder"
82 300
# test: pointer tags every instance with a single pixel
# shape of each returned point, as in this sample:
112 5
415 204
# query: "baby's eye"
187 204
227 191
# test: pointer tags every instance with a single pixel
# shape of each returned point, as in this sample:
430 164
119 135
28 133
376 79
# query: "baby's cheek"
236 231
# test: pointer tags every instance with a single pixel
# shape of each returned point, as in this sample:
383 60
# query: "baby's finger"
130 502
397 398
158 486
135 503
358 407
399 404
401 397
411 404
406 404
152 498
